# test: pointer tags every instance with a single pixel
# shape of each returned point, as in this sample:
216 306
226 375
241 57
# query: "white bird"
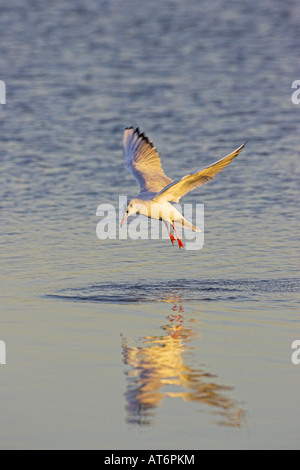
157 191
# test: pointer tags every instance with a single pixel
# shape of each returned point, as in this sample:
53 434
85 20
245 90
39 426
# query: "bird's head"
134 207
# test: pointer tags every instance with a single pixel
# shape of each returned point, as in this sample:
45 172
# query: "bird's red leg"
172 238
180 244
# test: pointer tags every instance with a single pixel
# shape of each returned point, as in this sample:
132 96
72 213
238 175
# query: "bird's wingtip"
139 134
241 147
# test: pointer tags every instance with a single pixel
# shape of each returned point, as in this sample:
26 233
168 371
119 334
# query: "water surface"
134 343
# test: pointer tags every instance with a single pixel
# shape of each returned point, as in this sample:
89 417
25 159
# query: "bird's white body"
157 191
165 211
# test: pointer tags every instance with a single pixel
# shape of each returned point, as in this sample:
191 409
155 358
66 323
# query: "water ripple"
183 290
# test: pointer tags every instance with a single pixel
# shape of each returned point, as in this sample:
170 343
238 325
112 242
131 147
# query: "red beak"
125 217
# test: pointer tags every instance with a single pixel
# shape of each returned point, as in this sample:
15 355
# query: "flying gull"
157 191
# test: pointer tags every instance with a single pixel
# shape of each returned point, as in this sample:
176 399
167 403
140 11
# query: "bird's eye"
127 212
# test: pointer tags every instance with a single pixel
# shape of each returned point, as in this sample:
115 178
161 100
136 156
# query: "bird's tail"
182 222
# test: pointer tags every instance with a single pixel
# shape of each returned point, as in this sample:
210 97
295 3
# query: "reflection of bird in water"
159 369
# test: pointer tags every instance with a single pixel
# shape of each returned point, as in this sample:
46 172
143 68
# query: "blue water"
134 343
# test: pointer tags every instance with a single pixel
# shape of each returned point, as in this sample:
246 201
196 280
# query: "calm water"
135 344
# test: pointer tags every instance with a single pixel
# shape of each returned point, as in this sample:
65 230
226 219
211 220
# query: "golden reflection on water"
164 366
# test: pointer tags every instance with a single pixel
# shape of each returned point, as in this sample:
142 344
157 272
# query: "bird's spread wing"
142 159
177 189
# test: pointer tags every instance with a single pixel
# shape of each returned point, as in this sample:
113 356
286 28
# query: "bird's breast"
163 212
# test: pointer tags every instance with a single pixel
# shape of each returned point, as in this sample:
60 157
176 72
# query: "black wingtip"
140 134
245 143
